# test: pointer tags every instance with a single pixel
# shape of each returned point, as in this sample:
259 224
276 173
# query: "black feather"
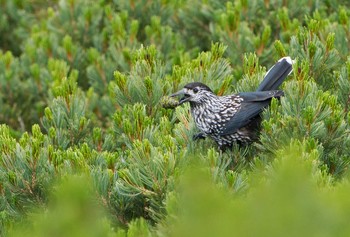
276 75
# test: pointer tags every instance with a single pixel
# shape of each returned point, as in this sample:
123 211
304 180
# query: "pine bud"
134 28
267 125
212 156
50 12
118 27
35 71
37 132
314 25
52 133
266 35
50 153
279 48
149 85
8 59
82 123
128 128
48 114
274 105
169 102
68 45
250 64
308 115
232 17
244 4
110 174
88 15
97 134
24 139
92 54
120 80
118 118
217 50
312 49
330 41
284 18
108 11
343 17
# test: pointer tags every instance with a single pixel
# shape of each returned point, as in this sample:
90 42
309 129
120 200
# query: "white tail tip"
288 59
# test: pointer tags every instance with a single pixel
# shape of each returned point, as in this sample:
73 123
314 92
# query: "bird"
236 118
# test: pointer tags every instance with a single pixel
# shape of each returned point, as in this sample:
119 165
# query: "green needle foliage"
91 144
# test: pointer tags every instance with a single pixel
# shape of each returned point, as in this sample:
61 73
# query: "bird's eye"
195 90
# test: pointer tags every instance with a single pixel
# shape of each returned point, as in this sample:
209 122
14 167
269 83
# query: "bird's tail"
276 74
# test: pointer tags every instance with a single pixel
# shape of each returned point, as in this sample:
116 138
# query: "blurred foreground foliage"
87 148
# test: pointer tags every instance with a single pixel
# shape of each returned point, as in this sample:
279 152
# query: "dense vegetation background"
87 148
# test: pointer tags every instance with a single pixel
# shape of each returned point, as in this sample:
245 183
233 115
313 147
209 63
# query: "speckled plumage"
213 113
233 118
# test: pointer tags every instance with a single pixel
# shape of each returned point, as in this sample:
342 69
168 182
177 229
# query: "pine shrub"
91 143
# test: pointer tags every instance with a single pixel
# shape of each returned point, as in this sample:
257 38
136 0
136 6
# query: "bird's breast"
211 119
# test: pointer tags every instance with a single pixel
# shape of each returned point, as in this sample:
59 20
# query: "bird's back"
213 116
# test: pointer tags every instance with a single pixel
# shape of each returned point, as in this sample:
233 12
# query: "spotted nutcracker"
233 118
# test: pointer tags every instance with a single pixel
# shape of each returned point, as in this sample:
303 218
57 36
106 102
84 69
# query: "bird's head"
195 92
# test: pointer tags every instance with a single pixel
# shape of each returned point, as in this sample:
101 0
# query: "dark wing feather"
252 105
259 96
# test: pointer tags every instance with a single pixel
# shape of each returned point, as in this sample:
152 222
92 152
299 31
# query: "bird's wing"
253 103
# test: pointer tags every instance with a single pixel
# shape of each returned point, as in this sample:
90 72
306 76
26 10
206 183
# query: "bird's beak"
185 97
